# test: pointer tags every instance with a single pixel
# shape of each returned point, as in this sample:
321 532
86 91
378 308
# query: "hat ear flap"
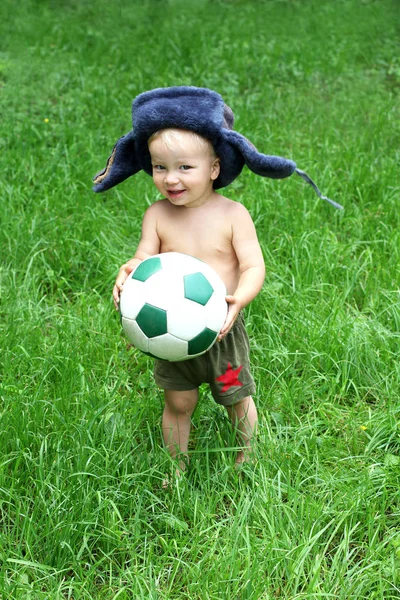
122 163
274 167
231 164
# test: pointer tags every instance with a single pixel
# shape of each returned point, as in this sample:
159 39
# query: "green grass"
83 515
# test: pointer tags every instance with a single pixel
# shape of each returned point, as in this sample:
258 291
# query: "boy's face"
184 167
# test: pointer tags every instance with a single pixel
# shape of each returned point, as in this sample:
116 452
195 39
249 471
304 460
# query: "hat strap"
308 179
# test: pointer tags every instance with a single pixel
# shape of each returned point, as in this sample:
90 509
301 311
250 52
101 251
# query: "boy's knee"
240 405
242 410
182 402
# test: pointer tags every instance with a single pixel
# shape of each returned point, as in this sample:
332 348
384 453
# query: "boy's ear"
216 169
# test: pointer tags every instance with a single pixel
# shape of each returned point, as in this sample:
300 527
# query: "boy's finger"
116 296
225 330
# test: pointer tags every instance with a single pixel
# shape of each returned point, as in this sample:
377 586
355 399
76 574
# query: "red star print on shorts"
230 378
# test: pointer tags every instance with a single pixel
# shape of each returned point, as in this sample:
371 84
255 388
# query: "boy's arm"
149 245
251 265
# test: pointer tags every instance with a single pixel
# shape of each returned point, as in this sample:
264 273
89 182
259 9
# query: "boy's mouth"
175 193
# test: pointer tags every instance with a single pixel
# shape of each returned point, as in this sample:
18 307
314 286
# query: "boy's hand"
234 309
123 274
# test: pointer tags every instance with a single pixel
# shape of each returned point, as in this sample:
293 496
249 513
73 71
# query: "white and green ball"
173 306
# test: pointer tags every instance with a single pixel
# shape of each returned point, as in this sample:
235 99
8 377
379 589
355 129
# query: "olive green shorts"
225 367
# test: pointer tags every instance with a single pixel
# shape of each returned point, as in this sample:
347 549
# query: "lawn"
83 514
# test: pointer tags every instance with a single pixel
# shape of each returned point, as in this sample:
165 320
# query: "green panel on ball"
197 288
147 268
201 342
152 321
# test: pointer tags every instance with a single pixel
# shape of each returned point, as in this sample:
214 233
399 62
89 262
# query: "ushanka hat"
204 112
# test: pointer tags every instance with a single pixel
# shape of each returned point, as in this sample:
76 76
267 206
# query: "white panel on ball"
186 320
215 280
183 262
168 347
131 299
171 285
135 334
215 312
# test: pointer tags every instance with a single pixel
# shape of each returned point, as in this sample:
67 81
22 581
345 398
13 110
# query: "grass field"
83 515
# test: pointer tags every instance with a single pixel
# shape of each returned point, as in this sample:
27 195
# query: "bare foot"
243 458
240 458
168 481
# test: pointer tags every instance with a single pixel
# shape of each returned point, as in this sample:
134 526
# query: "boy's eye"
185 167
158 168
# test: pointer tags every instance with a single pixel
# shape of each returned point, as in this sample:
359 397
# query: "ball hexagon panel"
217 283
197 288
171 285
183 263
135 334
202 342
186 319
131 299
168 347
215 312
152 321
147 268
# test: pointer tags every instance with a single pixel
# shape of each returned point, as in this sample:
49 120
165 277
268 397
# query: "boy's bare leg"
176 422
244 418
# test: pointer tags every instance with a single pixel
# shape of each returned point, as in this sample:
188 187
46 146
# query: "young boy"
194 219
183 137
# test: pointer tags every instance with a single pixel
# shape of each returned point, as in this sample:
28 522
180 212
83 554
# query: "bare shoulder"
155 212
235 210
232 205
158 207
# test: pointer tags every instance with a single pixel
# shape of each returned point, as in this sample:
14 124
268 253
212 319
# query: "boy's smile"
184 167
175 194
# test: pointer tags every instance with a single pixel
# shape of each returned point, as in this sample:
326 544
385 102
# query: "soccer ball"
173 306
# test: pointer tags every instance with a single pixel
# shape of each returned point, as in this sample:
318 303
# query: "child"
183 137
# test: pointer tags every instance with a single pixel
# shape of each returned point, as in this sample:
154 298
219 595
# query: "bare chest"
205 236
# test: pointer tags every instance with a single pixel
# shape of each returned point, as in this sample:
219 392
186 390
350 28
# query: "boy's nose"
171 177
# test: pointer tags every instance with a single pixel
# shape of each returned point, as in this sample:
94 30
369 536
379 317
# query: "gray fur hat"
195 109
